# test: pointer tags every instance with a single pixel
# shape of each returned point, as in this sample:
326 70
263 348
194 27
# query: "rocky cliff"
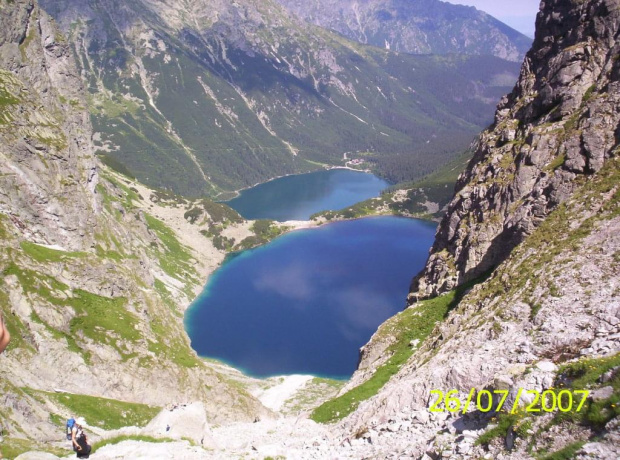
92 286
556 129
415 26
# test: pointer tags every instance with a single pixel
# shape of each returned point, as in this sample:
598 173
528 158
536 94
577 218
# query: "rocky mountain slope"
556 129
92 285
540 311
205 97
415 26
520 292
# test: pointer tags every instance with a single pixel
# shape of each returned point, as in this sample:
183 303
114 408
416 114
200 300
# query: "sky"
518 14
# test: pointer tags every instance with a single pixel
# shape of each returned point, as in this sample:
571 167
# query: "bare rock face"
557 127
48 168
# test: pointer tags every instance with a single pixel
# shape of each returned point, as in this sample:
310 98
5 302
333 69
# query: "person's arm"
4 334
73 440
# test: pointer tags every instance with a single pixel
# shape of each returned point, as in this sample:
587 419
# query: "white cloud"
292 281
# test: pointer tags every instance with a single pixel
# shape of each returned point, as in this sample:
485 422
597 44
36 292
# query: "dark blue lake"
298 197
306 302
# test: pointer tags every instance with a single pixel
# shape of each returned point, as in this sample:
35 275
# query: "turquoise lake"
298 197
306 302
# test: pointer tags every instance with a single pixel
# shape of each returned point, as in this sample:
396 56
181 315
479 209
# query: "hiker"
79 440
4 334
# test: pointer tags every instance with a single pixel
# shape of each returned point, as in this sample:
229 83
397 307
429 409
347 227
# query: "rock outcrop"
49 173
556 129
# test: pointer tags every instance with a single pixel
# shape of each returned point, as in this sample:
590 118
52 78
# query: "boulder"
182 421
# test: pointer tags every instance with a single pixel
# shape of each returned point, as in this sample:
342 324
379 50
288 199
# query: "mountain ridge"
215 95
415 27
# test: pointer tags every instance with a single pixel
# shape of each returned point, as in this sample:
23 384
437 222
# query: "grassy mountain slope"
207 98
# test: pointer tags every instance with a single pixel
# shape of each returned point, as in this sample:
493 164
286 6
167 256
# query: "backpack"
69 427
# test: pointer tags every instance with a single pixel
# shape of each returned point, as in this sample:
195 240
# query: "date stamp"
533 401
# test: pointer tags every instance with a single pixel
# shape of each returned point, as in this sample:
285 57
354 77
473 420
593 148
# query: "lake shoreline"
251 300
238 192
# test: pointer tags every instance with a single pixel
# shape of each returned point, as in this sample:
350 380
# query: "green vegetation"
8 81
557 162
566 453
119 439
10 88
11 447
218 216
218 213
113 255
19 333
109 414
32 30
437 187
264 231
505 422
102 319
175 259
415 323
422 118
165 296
43 254
585 374
171 347
558 246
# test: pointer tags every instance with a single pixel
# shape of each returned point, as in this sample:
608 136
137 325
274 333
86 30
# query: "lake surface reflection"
298 197
306 302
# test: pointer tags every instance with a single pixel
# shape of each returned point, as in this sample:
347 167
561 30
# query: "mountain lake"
298 197
306 302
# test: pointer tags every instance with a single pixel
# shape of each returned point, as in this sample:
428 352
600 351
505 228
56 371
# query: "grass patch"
104 320
13 447
175 258
566 453
119 439
173 348
557 162
44 254
165 295
112 255
585 374
109 414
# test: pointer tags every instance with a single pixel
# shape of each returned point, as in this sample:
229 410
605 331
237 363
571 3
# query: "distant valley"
207 98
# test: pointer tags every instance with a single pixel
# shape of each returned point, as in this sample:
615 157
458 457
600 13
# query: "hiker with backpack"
78 438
